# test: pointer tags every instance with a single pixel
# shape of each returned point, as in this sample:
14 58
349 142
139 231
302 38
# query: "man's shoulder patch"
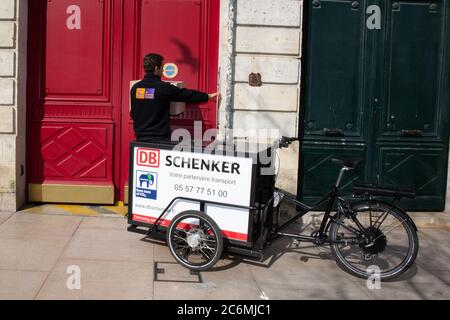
140 93
145 93
149 93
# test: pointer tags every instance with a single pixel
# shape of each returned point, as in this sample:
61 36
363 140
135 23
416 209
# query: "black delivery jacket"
150 105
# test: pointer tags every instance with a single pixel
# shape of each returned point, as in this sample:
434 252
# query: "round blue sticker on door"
170 70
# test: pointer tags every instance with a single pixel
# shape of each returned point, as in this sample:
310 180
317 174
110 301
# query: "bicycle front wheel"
378 239
195 240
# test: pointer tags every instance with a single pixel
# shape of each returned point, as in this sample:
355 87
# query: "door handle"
412 133
334 132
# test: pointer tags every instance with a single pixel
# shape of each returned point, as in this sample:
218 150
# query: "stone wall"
262 36
13 44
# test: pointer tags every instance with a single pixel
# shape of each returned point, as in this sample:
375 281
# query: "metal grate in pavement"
174 272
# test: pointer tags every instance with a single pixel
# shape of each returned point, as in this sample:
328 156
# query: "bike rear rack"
384 190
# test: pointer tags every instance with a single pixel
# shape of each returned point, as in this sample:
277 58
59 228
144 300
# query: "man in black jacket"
151 98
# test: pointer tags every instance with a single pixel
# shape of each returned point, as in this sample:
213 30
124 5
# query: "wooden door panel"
72 102
335 67
424 168
320 173
77 60
74 151
413 81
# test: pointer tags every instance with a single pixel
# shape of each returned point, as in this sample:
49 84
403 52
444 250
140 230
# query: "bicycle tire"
219 246
406 222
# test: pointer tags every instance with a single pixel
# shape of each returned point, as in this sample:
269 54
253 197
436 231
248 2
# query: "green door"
377 91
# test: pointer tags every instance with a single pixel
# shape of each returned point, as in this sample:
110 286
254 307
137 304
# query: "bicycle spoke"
179 238
182 248
210 240
205 228
378 223
208 248
204 253
391 248
204 244
390 230
349 228
358 224
185 251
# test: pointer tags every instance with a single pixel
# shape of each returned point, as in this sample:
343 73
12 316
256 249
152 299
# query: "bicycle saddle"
347 162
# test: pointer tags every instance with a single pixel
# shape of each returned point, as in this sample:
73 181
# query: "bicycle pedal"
296 243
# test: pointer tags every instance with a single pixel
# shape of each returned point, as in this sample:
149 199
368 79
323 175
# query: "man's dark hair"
151 61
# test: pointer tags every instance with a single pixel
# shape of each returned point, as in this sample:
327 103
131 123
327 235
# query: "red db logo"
148 158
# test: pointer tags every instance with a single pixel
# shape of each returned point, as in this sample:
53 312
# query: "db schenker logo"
148 157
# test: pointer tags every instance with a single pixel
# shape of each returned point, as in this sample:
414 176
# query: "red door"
82 55
186 33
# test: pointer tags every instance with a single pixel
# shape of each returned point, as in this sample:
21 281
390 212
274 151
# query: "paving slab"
208 290
229 269
100 280
161 251
30 252
20 285
116 223
285 251
39 225
432 219
228 280
434 251
305 278
174 272
76 210
4 216
111 244
416 284
408 290
293 291
47 209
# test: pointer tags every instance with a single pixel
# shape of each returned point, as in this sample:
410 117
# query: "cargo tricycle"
204 199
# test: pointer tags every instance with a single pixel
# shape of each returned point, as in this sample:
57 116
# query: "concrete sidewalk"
36 251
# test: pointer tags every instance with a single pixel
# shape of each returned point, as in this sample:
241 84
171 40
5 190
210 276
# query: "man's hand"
213 96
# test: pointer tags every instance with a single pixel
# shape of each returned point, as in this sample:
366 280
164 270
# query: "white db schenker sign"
160 175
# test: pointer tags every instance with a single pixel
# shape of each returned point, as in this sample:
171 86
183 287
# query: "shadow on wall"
193 112
186 53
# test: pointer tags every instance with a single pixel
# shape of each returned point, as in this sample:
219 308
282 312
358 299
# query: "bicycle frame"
329 199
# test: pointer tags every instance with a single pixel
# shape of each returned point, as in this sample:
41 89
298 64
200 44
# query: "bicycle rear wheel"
379 238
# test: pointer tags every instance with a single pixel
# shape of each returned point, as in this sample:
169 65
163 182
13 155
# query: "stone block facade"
265 37
13 44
